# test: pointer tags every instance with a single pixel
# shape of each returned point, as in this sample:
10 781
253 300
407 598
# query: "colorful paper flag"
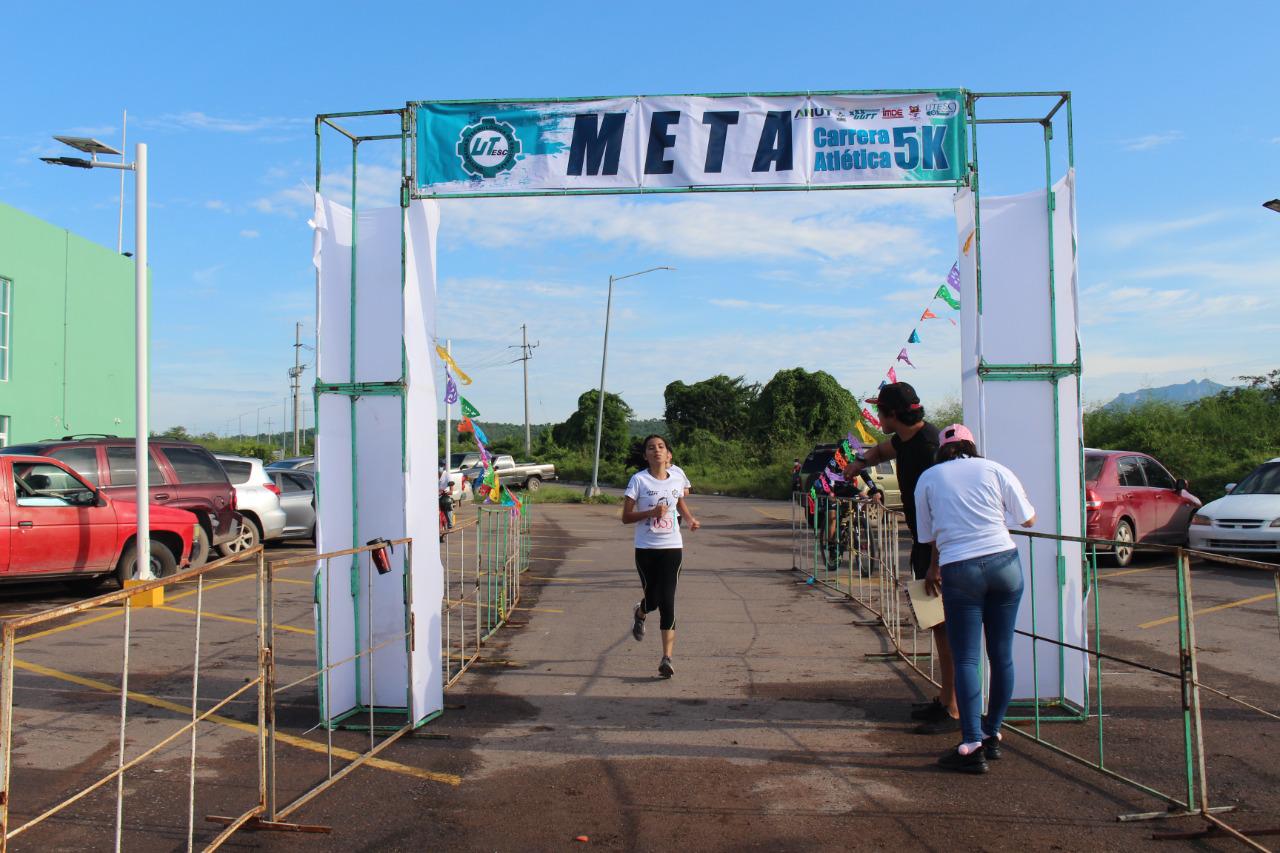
837 478
852 439
448 359
969 241
953 277
928 315
893 376
915 337
468 410
866 436
480 436
465 425
944 293
450 390
902 356
871 419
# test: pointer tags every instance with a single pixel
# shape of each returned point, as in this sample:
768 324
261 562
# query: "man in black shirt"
913 442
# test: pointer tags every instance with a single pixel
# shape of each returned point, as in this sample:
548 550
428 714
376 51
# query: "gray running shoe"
665 669
637 623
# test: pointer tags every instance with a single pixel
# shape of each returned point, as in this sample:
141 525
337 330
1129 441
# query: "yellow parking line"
80 624
310 583
300 743
1123 572
1166 620
220 617
786 517
539 609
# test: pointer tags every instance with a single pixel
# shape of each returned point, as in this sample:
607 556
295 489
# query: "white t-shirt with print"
648 491
966 507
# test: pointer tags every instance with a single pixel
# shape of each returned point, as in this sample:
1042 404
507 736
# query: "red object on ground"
582 838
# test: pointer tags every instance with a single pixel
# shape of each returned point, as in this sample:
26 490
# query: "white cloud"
1128 234
195 120
95 131
814 311
853 228
249 234
217 204
1151 140
378 186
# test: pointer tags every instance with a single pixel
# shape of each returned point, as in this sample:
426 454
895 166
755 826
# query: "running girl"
654 502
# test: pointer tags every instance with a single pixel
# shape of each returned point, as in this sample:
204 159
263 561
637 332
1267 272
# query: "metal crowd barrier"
853 548
17 719
483 560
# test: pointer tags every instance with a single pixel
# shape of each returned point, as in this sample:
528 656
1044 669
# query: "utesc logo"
488 147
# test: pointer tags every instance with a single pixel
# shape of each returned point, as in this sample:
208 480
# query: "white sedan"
1246 521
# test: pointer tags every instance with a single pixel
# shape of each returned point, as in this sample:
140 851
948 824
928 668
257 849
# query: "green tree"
796 405
720 405
579 431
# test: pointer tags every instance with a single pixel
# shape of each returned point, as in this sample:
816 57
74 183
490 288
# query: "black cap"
896 397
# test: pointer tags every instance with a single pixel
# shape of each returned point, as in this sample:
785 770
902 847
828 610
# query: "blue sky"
1177 144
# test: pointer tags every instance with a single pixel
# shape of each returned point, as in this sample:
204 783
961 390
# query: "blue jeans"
982 595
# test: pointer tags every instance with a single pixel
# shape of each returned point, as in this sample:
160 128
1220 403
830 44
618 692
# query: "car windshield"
1264 480
1093 467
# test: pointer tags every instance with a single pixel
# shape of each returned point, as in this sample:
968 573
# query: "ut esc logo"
488 147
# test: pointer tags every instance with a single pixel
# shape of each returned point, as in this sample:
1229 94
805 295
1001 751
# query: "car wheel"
199 547
245 539
163 563
1123 554
533 484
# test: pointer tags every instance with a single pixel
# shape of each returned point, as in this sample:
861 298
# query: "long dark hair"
957 450
635 459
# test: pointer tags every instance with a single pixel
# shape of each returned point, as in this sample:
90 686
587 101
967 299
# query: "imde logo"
942 108
488 147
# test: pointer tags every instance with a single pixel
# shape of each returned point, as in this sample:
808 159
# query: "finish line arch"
376 276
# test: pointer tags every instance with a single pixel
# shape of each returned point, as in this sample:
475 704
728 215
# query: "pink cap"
954 433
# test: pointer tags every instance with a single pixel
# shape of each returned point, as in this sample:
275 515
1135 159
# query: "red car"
1130 497
181 475
55 526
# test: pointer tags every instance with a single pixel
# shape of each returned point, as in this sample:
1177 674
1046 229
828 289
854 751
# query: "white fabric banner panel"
1017 421
374 442
688 142
421 475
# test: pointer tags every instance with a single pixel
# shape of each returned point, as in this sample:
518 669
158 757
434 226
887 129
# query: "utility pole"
295 376
526 353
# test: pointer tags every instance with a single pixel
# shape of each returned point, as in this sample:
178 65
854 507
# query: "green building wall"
72 333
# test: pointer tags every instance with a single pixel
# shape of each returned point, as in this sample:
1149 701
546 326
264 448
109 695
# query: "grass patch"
565 495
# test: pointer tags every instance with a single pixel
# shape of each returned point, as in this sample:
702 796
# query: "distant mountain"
1187 392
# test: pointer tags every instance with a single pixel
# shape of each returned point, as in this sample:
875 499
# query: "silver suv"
257 501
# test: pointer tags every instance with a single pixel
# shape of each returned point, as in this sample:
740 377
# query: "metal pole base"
254 824
1132 818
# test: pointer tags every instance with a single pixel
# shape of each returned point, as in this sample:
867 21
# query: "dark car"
1130 497
182 475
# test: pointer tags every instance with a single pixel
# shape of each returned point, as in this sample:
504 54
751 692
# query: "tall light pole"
93 148
594 488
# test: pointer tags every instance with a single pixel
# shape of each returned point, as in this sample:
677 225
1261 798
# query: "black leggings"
659 570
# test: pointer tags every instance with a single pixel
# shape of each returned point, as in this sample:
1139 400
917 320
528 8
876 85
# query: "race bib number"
664 525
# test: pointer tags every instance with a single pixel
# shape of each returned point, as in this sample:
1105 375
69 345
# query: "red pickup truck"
54 526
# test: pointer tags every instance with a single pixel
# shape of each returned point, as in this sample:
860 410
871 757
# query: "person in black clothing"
913 441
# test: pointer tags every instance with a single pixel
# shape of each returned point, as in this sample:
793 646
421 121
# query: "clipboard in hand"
925 608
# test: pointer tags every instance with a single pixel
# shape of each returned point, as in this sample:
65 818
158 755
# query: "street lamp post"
93 148
594 488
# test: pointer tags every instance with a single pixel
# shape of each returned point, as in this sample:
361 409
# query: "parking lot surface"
778 731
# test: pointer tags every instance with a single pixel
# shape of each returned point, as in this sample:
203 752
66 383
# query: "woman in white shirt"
654 502
964 508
